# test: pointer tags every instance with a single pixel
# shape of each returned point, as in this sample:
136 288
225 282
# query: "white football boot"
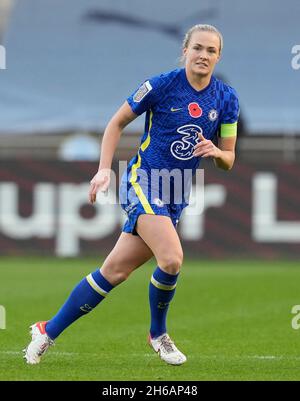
167 350
39 344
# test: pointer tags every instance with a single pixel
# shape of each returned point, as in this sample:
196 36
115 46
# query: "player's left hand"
206 148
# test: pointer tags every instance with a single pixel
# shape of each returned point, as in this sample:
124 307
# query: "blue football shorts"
135 202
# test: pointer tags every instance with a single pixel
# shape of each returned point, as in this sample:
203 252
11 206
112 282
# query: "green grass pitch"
231 319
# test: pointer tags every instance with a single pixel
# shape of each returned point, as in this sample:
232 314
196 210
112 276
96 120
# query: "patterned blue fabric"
175 114
174 133
159 300
169 210
82 300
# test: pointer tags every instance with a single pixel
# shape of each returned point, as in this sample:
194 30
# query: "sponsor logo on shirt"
183 148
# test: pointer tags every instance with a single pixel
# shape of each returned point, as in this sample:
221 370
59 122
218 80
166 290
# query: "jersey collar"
183 74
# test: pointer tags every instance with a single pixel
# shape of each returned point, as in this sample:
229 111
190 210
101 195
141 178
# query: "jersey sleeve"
230 116
145 96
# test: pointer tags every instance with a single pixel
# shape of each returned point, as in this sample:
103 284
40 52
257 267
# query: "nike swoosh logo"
174 109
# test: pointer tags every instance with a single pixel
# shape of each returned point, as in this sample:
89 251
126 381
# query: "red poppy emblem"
195 110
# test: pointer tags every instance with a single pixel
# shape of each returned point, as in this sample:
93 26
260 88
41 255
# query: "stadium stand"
71 64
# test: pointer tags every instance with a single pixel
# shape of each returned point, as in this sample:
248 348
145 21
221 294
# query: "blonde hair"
201 28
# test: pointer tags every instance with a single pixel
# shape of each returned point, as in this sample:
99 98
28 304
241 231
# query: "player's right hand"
100 182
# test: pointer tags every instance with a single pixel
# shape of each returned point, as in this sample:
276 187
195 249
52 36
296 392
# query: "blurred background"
65 68
68 65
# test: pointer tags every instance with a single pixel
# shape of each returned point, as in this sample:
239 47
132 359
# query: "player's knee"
120 276
115 273
171 262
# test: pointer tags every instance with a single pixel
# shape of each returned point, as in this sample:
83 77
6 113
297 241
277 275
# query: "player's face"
202 53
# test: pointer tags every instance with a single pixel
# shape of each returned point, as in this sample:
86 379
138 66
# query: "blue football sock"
161 291
85 296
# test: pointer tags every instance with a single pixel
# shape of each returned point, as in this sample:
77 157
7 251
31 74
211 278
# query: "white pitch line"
52 353
152 355
234 357
10 352
265 357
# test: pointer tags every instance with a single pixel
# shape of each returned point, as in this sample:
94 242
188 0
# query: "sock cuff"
99 283
164 278
101 280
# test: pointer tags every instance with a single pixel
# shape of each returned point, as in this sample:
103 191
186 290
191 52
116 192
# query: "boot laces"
167 344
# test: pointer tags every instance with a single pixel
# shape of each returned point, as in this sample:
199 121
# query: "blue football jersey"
175 114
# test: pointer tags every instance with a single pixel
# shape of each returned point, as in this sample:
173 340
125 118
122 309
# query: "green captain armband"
228 130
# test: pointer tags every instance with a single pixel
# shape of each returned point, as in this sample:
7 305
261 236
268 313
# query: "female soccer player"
186 109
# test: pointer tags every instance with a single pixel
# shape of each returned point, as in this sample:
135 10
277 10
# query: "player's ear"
183 56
